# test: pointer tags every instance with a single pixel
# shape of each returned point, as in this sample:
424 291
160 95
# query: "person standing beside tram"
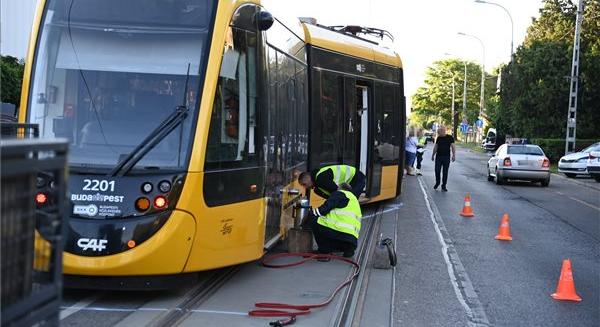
421 144
444 143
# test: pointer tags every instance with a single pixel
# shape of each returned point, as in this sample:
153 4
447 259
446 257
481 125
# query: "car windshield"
525 149
593 147
109 72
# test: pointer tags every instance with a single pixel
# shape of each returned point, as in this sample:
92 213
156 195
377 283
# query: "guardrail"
33 183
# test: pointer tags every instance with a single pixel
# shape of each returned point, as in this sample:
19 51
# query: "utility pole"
574 85
464 113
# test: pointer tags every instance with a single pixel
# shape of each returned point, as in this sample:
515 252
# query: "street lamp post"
454 125
512 25
482 97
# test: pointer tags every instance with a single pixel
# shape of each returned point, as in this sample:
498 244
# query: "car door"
493 163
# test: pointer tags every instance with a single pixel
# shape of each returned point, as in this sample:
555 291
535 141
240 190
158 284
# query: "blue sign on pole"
479 123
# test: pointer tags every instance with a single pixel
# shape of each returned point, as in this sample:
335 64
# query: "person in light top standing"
410 150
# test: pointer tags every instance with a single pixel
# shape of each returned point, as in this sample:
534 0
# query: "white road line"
580 201
458 275
392 208
220 312
67 311
585 203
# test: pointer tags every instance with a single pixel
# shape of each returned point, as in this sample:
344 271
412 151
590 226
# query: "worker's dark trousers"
329 240
419 159
358 184
441 162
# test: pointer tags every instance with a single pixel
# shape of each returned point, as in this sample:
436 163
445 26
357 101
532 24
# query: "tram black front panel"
103 216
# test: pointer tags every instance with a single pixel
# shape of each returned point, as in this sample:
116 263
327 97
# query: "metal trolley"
32 200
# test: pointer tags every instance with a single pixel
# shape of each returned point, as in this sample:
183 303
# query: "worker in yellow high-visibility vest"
326 180
336 223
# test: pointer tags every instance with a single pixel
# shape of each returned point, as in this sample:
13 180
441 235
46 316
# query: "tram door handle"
292 191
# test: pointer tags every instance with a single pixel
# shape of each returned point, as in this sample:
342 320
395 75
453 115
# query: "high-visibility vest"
344 220
421 141
341 174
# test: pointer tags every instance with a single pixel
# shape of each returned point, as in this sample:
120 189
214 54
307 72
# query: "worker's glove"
310 218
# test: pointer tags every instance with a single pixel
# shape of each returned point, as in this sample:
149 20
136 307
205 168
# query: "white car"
574 164
519 161
593 165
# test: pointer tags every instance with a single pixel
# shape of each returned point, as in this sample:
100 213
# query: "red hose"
301 309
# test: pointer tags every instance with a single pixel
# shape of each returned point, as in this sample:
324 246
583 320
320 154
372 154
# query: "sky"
424 30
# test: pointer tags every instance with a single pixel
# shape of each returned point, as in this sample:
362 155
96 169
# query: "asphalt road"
451 271
454 273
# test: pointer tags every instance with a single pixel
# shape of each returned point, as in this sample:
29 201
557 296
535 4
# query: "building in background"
16 17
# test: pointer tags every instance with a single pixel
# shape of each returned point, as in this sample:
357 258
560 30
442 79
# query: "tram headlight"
147 187
41 182
142 204
164 186
160 202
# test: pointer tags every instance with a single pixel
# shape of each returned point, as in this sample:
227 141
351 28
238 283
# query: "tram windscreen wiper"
155 137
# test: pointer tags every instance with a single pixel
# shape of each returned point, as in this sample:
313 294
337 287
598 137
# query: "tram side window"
233 128
390 142
330 118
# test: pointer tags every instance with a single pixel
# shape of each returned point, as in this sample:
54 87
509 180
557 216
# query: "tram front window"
109 72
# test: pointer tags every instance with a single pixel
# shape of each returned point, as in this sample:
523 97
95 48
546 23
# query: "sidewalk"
424 295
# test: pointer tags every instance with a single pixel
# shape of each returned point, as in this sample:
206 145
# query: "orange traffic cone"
504 229
565 290
467 211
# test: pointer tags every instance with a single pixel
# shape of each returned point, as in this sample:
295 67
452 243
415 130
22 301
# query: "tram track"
349 310
195 298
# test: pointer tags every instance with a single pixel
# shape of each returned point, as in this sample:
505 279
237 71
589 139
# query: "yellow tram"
189 120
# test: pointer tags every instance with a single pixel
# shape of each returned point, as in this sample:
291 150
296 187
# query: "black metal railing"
10 130
32 230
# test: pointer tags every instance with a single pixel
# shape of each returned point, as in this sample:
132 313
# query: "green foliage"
433 101
534 95
555 148
11 77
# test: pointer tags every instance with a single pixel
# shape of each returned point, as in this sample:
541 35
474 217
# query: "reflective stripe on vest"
341 173
344 220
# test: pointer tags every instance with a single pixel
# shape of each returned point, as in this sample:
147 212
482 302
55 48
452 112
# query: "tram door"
362 97
287 124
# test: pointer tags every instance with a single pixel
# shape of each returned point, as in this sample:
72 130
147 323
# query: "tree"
11 78
433 101
534 94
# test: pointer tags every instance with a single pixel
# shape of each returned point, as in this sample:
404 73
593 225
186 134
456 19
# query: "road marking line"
392 208
67 311
458 275
580 201
585 203
220 312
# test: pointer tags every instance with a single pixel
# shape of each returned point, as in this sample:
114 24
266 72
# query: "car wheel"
546 182
570 175
490 177
597 178
499 181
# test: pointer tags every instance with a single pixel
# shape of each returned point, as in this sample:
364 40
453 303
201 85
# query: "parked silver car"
574 164
522 162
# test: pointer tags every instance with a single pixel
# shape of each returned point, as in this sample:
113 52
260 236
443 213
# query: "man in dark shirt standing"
441 154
